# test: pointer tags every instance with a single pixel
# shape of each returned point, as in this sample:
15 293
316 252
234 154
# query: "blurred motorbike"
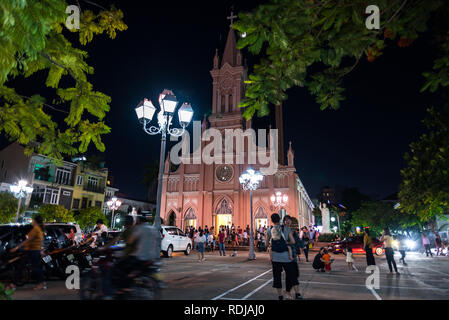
97 283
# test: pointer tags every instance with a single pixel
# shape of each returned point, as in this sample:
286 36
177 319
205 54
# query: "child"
327 261
350 259
211 241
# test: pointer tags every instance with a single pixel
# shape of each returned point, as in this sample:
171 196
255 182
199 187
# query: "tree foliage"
379 215
6 292
89 216
315 43
35 41
55 213
8 207
425 187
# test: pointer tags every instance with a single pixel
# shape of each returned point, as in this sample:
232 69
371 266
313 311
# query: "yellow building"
89 187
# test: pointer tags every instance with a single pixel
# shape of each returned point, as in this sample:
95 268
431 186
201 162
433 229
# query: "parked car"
173 239
356 243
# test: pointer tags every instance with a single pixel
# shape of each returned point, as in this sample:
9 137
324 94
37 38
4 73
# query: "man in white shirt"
100 227
98 232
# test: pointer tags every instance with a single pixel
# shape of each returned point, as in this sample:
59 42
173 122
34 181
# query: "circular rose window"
224 173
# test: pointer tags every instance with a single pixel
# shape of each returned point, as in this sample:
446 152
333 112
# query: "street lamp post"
113 205
20 191
250 180
145 112
279 200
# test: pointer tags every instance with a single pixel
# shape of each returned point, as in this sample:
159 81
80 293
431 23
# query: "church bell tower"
228 75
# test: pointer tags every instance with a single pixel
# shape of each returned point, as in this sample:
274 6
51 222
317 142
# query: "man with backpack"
278 239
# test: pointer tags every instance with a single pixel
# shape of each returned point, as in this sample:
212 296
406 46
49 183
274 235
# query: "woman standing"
438 245
294 264
368 247
33 247
305 239
201 240
387 239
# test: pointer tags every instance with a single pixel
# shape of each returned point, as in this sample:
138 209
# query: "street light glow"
410 244
113 205
146 110
250 180
20 190
278 199
167 103
185 113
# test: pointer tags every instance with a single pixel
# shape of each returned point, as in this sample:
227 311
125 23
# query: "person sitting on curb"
318 262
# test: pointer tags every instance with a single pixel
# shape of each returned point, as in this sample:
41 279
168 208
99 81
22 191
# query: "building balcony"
93 188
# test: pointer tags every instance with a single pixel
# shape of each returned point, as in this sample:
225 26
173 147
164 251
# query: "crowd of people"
205 239
284 243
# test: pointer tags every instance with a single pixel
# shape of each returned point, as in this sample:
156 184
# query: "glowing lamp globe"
146 110
167 101
185 113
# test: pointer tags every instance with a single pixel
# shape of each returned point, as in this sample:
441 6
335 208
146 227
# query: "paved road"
236 278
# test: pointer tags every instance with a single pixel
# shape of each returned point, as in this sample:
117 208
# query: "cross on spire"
231 17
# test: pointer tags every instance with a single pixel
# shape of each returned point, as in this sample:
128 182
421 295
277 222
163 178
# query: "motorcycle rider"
95 237
143 237
108 275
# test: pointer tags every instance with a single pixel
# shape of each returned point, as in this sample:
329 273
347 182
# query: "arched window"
172 219
224 207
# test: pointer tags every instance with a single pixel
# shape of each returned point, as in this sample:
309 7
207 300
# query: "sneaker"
298 296
281 297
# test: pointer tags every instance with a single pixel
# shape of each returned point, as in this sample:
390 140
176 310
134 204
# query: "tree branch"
395 14
45 55
45 104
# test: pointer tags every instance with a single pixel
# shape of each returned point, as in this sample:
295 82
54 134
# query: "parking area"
236 278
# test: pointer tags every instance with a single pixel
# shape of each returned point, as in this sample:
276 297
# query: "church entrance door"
190 219
261 223
224 215
224 220
261 218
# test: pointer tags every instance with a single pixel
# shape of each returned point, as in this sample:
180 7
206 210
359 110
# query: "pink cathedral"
210 194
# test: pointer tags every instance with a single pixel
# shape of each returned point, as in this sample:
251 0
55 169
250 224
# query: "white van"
173 239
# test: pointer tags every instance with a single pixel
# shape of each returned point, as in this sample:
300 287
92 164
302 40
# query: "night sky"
171 45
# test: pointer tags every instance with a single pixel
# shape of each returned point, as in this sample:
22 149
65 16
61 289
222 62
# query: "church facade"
203 194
